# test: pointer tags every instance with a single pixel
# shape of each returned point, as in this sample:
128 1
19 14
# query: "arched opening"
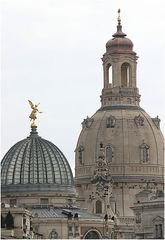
98 206
53 234
109 75
92 234
9 221
125 75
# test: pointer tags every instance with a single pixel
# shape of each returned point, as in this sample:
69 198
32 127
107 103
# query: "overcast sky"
51 53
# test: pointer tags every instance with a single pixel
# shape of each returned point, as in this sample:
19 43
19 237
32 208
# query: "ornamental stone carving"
139 120
138 217
102 177
156 121
87 122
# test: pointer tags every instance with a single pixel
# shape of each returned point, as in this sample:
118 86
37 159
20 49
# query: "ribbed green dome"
37 162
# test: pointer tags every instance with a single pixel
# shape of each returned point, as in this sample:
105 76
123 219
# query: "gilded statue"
33 115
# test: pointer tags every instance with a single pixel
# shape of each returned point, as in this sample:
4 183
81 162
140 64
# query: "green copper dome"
35 164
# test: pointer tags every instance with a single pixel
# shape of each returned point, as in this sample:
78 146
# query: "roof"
145 192
35 162
57 212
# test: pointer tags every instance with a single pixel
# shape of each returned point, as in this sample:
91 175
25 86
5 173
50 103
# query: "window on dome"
80 154
109 154
110 122
125 75
144 152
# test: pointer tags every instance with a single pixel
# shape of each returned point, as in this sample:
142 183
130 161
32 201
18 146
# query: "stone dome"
132 141
119 42
36 164
120 141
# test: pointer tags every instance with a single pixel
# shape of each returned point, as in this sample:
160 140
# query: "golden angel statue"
33 115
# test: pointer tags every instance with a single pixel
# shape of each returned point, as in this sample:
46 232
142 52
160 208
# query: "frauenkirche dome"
131 141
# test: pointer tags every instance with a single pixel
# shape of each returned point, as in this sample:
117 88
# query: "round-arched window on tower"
108 76
125 75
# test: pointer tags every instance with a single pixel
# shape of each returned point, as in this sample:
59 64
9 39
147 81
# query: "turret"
119 67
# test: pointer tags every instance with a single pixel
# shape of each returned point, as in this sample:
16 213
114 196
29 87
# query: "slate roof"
59 212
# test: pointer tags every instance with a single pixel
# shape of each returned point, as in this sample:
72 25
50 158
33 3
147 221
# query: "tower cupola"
119 66
119 42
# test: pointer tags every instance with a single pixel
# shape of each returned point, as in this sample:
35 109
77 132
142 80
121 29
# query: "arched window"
53 234
108 76
110 122
159 229
98 206
125 75
9 221
109 154
92 234
144 152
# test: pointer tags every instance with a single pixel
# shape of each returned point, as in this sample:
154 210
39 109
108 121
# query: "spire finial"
119 19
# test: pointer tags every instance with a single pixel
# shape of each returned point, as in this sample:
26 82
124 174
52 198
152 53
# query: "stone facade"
118 169
149 215
131 141
42 205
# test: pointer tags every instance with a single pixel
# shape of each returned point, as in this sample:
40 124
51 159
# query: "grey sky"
51 53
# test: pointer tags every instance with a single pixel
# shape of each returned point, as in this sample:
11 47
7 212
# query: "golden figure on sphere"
33 115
